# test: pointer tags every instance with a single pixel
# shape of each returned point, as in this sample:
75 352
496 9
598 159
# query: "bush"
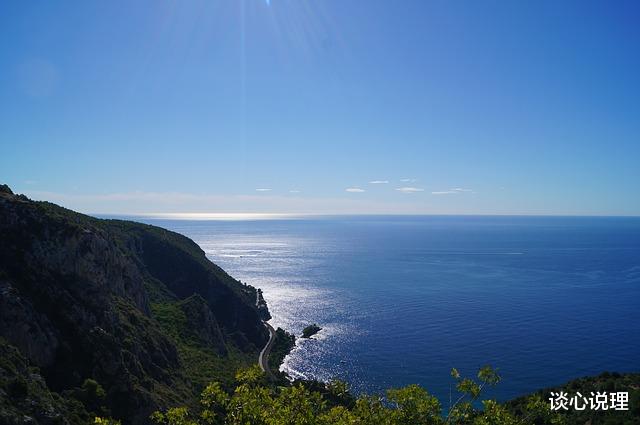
254 402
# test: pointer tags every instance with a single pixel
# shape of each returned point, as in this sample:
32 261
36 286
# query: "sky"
323 106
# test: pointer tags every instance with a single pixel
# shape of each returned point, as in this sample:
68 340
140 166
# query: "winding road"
263 358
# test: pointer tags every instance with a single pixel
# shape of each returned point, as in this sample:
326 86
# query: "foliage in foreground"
606 381
254 402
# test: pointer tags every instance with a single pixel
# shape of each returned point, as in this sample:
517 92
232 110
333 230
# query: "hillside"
111 317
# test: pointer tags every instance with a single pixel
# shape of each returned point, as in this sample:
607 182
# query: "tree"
414 405
254 401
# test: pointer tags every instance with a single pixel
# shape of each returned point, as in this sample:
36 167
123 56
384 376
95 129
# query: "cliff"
111 316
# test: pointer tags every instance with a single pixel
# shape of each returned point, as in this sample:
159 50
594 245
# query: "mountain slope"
135 308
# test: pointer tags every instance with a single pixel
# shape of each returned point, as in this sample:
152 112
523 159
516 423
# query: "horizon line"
200 216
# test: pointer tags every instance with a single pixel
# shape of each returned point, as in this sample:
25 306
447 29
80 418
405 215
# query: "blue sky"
466 107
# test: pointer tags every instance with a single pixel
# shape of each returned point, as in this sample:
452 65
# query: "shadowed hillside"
111 317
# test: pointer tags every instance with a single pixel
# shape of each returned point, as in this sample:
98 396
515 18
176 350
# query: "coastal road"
263 358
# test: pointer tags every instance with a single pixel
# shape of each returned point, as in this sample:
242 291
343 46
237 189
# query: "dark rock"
5 189
29 330
310 330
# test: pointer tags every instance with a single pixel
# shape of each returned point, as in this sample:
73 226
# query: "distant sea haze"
402 300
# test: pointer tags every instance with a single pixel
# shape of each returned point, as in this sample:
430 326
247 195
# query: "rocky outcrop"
77 297
28 329
263 310
5 189
24 396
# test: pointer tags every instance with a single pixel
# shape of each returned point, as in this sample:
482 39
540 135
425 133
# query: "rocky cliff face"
113 302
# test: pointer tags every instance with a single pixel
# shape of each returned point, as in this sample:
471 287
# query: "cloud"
263 190
409 189
408 180
454 191
294 191
354 190
379 182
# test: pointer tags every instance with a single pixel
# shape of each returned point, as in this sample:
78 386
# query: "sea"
403 299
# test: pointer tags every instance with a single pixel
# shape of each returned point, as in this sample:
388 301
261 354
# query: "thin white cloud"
354 190
263 190
294 191
409 189
379 182
454 191
408 180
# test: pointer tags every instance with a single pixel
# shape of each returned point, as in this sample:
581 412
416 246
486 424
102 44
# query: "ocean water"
402 300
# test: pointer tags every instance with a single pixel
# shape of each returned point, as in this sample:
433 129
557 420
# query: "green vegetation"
202 358
106 421
311 330
282 345
92 396
253 402
23 392
609 382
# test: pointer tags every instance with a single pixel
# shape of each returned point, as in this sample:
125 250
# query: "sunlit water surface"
401 300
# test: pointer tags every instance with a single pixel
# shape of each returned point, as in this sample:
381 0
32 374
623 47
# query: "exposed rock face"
202 323
29 330
24 396
76 296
